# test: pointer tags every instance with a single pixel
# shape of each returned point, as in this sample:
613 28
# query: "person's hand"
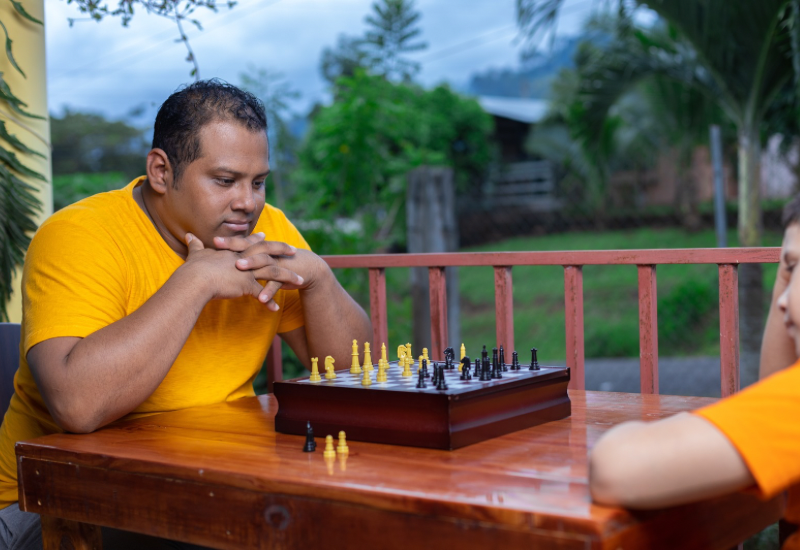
266 260
224 279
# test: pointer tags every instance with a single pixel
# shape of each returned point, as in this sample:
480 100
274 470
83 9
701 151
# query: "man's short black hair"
791 212
185 112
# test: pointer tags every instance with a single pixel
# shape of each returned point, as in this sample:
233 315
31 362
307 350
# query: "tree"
90 143
390 36
392 30
741 53
359 149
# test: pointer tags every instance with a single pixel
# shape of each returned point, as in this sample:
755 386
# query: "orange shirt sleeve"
763 423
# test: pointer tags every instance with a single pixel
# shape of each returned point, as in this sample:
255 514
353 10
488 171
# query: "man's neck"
146 200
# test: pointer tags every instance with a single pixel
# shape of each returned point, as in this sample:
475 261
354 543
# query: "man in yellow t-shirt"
167 294
748 440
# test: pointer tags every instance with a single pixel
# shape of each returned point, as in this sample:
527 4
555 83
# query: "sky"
107 68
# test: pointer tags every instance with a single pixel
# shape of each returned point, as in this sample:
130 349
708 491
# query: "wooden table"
220 476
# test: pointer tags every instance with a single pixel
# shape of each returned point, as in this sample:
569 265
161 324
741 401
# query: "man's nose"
245 199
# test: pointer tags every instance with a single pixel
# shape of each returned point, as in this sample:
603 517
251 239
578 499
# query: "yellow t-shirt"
99 260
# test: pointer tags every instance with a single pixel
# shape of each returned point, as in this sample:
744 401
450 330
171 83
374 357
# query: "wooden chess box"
398 413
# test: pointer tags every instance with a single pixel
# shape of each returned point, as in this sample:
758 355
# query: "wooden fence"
645 261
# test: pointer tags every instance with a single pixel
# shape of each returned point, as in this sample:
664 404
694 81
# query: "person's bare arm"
777 348
88 382
673 461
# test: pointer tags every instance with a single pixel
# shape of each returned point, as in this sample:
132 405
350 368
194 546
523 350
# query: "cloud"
109 68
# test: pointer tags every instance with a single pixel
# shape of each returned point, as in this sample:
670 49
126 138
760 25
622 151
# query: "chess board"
399 413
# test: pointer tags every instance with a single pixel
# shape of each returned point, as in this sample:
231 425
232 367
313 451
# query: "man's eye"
258 184
225 181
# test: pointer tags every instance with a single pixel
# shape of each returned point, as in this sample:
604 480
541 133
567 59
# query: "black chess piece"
486 370
484 353
514 361
503 360
478 370
435 377
421 378
450 355
441 383
495 360
465 367
424 368
310 445
534 361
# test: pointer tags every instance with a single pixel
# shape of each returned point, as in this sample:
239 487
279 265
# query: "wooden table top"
219 475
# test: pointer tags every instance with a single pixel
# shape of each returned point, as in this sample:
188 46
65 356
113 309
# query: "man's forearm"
112 371
332 321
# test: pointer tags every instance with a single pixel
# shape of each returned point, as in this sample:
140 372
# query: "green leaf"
8 50
10 159
14 142
21 10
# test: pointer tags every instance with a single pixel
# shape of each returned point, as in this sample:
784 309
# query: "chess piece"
514 361
463 366
408 349
421 379
383 355
534 361
310 445
367 357
381 371
406 367
401 354
329 452
478 372
425 354
355 366
425 370
435 377
484 353
330 373
366 380
503 360
495 361
463 351
342 448
315 377
442 382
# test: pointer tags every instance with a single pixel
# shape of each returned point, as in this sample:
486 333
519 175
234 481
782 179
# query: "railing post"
504 308
648 329
729 328
274 363
438 296
573 314
377 308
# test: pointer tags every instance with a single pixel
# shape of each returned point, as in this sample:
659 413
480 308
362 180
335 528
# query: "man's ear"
159 170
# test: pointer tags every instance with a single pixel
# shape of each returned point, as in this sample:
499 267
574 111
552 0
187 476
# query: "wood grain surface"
220 476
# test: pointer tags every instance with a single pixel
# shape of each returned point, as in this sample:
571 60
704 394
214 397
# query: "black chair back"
9 362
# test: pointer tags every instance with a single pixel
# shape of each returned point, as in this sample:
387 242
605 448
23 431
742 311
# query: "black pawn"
478 372
421 378
465 367
514 361
503 359
424 368
310 445
534 361
441 383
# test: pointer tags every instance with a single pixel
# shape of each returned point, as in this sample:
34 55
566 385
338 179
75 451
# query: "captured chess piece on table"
310 445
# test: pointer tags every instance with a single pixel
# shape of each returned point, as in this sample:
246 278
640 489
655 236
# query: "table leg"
63 534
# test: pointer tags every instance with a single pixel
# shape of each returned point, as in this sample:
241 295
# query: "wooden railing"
727 260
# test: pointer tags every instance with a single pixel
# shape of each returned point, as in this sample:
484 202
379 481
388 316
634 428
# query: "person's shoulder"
97 212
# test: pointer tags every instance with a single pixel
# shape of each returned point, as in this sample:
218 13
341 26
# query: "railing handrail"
646 261
657 256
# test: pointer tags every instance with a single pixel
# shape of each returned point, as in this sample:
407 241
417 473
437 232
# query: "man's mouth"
237 226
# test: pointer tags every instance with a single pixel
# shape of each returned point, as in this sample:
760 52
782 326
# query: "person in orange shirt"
750 439
166 294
